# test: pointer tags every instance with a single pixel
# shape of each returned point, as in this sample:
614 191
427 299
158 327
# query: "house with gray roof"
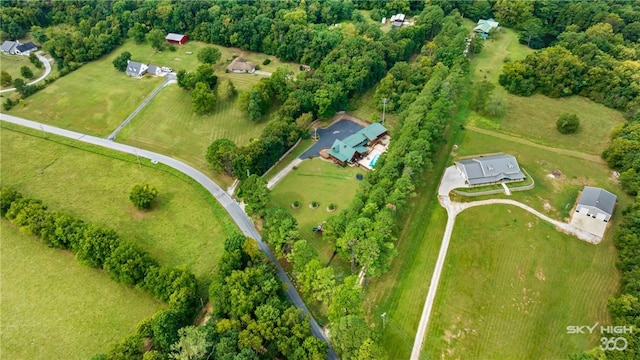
136 69
240 65
492 169
25 49
154 70
8 47
597 203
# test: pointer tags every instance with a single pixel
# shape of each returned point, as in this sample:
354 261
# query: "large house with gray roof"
26 49
136 69
17 48
492 169
355 146
8 47
597 203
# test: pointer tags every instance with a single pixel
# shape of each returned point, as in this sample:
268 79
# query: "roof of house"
598 198
354 140
8 45
399 17
135 68
241 64
341 151
373 131
174 37
488 169
27 47
154 69
486 25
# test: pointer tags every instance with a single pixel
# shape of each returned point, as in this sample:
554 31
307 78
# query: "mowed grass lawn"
182 229
55 308
511 285
94 99
169 126
535 117
323 182
12 64
554 196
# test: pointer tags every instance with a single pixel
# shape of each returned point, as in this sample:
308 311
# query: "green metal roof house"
485 26
354 146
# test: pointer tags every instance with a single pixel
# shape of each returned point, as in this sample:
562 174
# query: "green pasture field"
182 229
534 117
12 64
55 308
169 126
511 285
323 182
94 99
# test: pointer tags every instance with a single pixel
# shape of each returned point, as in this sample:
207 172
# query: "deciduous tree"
209 55
26 72
203 99
5 78
142 196
120 62
568 123
220 154
156 38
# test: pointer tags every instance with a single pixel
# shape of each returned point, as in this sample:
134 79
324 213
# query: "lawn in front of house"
184 228
552 195
56 308
93 100
324 182
511 285
12 64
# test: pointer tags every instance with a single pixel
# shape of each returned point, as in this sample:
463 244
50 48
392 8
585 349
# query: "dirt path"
576 154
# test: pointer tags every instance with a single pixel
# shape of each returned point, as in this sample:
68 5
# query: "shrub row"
102 248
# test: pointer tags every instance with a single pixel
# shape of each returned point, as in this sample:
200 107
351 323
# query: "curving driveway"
47 70
237 214
451 179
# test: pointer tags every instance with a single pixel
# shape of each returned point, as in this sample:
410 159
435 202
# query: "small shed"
596 203
240 65
174 38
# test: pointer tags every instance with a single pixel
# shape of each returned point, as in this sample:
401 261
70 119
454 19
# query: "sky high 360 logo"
608 340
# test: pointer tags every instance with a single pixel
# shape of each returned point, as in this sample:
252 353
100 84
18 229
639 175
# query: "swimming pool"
373 161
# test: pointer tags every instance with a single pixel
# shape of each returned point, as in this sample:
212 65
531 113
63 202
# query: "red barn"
174 38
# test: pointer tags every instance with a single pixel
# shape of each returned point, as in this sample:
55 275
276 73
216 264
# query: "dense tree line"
541 22
251 315
364 232
102 248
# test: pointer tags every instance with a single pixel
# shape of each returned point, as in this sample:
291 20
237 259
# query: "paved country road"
239 217
47 70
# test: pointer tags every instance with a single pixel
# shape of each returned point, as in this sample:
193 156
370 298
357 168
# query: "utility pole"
384 108
138 157
384 318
